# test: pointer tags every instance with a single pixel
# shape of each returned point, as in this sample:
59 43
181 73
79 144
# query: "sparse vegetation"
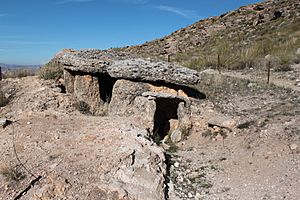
237 52
12 173
83 108
245 125
18 73
283 68
3 100
51 70
173 148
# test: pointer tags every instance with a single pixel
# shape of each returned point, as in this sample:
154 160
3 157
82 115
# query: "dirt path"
280 82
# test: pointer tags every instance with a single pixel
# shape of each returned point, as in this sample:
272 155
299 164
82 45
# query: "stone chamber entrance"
106 85
165 117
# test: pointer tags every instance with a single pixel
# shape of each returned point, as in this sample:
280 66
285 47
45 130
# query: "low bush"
283 68
242 64
51 70
12 173
83 107
3 100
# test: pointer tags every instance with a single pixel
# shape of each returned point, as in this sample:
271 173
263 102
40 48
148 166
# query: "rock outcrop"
114 83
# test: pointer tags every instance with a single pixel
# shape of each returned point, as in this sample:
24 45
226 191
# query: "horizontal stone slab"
165 96
123 66
78 64
144 70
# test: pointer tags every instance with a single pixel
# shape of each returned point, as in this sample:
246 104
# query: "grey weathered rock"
165 96
123 96
140 99
142 70
74 63
184 118
88 60
3 122
293 146
221 121
298 51
122 66
176 136
141 170
86 89
110 82
69 80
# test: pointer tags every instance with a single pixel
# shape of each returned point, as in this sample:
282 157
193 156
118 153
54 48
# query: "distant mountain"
14 66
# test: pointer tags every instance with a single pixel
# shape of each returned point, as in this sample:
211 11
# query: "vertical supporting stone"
69 81
145 109
184 118
86 89
123 96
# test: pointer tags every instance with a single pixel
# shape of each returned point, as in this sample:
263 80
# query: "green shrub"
12 173
83 107
51 70
242 64
283 68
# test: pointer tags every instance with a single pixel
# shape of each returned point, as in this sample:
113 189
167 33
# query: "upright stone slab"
123 96
86 89
69 81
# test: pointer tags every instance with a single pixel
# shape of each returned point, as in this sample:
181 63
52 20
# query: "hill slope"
270 27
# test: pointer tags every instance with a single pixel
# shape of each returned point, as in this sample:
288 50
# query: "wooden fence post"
219 64
269 71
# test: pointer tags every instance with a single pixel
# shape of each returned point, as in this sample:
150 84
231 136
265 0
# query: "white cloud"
72 1
187 14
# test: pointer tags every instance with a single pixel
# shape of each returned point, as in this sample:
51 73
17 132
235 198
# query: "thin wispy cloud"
3 14
187 14
2 50
72 1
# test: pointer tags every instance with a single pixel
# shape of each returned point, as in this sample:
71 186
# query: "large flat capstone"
144 70
122 66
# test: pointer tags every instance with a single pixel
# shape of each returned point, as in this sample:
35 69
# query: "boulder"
222 121
176 136
3 122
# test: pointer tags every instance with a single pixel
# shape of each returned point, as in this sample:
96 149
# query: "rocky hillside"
266 24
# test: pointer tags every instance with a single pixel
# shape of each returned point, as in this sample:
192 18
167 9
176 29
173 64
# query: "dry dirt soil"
244 146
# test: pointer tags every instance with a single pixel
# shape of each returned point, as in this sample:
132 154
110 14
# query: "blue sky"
32 31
